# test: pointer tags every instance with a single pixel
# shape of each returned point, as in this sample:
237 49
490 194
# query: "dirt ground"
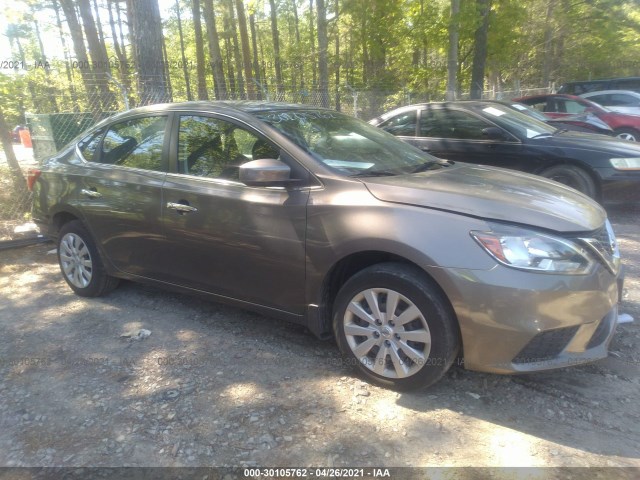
217 386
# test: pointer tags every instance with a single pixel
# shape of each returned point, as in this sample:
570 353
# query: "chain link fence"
15 208
72 111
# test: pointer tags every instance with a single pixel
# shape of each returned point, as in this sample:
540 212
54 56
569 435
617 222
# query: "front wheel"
395 326
573 177
627 134
80 262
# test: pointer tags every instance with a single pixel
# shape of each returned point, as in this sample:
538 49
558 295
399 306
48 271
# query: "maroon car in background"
624 126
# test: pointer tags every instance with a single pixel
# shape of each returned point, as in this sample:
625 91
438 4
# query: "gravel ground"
217 386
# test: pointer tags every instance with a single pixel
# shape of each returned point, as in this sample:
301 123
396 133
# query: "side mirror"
493 133
266 172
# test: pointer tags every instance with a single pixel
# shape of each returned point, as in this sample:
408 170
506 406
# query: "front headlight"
530 250
625 163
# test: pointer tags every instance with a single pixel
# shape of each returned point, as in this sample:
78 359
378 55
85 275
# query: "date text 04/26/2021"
317 472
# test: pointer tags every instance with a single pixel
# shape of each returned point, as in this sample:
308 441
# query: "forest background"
359 56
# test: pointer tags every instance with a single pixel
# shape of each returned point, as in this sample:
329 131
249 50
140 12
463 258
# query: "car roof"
549 95
454 103
598 80
609 92
228 106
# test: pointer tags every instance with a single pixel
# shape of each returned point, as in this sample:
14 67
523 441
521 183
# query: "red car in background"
624 126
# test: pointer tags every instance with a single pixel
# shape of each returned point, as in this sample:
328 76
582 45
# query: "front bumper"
513 321
619 186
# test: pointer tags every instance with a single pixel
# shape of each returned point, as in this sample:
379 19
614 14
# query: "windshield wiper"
375 173
432 165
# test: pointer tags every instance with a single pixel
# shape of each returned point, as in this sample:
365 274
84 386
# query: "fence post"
123 90
263 89
354 94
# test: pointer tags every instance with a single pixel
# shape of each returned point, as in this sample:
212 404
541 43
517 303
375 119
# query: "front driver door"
224 237
461 136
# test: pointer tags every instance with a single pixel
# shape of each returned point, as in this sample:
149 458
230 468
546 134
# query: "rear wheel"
80 262
395 326
627 134
573 177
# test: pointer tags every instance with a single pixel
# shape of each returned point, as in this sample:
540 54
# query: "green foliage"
398 48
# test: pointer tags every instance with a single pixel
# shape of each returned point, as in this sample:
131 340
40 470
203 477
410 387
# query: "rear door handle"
181 207
90 193
424 148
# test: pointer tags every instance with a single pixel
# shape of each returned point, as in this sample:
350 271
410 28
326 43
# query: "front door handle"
424 148
90 193
181 207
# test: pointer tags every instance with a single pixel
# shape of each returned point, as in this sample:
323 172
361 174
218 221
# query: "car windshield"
517 123
348 145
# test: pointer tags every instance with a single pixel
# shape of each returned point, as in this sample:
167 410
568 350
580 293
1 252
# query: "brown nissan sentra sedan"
318 218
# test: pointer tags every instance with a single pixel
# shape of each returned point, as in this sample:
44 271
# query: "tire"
383 353
574 177
80 262
627 134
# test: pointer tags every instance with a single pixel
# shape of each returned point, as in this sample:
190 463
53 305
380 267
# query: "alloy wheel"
75 260
387 333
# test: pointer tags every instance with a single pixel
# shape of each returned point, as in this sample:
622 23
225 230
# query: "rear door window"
569 106
445 123
601 99
623 100
136 143
88 146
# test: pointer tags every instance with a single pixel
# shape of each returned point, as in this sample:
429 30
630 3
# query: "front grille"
602 237
546 345
603 244
602 331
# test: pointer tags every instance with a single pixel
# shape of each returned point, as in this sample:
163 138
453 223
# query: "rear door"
227 238
460 135
121 192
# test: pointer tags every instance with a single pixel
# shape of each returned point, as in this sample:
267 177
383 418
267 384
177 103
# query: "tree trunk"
254 42
547 59
165 62
480 50
98 54
246 51
337 56
452 57
7 146
366 63
197 25
43 58
147 40
312 37
81 53
228 52
233 36
185 70
299 63
99 25
67 56
215 55
119 16
323 46
276 44
125 84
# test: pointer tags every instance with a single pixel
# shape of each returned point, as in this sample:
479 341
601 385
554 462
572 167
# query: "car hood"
615 147
493 193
